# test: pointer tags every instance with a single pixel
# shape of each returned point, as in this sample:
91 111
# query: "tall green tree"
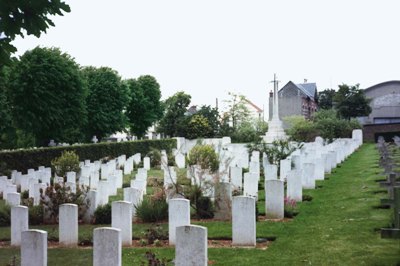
237 110
144 107
20 17
212 116
48 96
107 99
174 121
351 102
325 99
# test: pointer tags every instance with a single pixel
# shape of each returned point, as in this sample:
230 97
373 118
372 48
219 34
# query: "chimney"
271 94
305 80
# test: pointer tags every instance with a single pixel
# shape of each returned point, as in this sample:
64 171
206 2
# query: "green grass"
338 227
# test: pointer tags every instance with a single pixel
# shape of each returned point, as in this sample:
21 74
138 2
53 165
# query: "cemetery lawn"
338 227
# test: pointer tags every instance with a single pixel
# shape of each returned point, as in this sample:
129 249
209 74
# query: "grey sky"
210 47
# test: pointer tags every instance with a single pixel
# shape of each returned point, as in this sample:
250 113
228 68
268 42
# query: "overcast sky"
210 47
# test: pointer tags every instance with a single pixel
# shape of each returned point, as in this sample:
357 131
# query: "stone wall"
371 132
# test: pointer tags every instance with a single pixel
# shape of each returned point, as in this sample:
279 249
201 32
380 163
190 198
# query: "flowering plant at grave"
290 206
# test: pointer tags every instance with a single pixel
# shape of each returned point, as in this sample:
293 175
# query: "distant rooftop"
309 89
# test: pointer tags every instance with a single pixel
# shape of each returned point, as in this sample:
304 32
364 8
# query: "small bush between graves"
22 160
155 157
203 206
67 162
36 215
205 156
290 208
56 195
153 209
102 214
5 215
154 233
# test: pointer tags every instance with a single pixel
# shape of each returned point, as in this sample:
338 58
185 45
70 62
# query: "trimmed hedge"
22 160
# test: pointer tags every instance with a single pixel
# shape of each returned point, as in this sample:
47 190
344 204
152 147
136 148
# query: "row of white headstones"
186 237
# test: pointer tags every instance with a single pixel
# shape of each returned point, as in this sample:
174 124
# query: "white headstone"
294 186
71 177
19 223
271 172
308 178
236 177
134 196
68 224
14 199
285 167
250 185
146 163
34 248
243 221
191 246
121 212
178 215
107 246
180 160
274 199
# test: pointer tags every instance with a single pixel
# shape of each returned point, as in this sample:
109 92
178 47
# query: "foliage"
173 122
301 130
205 156
22 160
144 107
249 131
153 209
155 232
325 99
56 195
152 260
290 207
277 151
36 215
237 109
5 110
351 102
67 162
155 157
203 206
106 101
198 127
5 215
212 116
102 214
330 126
48 96
20 17
325 123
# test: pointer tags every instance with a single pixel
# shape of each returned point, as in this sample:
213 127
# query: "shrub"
102 214
290 207
22 160
154 233
198 127
5 215
152 209
203 206
56 195
36 215
155 157
205 156
67 162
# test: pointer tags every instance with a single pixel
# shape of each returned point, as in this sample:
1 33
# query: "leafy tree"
325 99
175 120
48 96
237 109
351 102
212 116
106 101
5 112
198 127
20 16
144 107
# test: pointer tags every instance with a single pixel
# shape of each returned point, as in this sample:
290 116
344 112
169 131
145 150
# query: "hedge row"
22 160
